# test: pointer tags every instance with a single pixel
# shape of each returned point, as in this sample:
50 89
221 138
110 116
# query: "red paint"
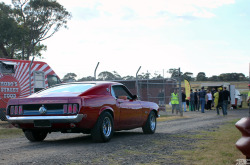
127 114
9 88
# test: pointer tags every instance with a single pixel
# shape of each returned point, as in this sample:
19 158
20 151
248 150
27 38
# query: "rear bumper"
53 119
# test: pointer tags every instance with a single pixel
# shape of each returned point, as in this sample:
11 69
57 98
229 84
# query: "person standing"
209 100
202 99
161 97
199 102
216 98
187 103
226 98
175 101
195 100
220 101
183 98
192 100
213 92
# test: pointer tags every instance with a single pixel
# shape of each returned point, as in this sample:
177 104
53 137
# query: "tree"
201 76
187 76
69 77
214 78
174 72
157 76
37 20
105 75
128 78
10 33
232 77
89 78
117 76
144 76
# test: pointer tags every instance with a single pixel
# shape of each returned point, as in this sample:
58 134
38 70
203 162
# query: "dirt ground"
126 147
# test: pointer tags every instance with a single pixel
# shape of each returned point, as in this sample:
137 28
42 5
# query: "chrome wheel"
152 122
106 127
150 126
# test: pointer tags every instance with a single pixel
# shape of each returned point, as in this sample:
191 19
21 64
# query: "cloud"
203 14
127 9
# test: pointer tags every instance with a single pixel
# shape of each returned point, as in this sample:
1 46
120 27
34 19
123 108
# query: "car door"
130 108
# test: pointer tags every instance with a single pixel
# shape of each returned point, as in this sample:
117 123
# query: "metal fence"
154 90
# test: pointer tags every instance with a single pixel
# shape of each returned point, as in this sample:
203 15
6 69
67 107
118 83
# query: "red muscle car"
98 108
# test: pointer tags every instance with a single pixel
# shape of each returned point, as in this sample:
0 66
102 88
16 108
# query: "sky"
211 36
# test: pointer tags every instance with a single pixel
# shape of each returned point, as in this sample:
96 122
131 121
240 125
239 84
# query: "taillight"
16 110
70 108
75 108
20 110
65 108
12 110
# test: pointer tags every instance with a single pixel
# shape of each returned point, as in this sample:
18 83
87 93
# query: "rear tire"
35 136
150 125
104 128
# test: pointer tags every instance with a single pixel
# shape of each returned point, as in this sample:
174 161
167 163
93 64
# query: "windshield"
72 88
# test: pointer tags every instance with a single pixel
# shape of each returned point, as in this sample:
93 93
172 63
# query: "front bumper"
53 119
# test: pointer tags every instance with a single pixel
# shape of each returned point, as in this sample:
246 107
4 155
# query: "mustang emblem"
42 110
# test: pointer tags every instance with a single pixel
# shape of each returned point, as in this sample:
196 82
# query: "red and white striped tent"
14 78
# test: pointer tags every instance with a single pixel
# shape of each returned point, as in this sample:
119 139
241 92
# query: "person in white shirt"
209 100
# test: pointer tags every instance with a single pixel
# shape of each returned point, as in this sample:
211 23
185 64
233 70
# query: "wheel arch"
107 109
156 112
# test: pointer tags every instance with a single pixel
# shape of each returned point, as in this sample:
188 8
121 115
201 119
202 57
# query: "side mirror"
134 97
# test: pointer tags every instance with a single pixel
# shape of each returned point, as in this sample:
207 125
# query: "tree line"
201 76
26 23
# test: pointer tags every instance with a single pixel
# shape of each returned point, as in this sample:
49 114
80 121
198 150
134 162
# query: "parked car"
98 108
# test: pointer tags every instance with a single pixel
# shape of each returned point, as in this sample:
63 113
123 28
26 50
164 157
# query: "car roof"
96 83
93 82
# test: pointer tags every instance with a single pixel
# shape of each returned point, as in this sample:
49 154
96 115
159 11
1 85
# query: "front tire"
150 125
35 136
103 129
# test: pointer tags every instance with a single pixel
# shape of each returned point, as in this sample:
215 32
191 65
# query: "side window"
53 80
7 67
121 91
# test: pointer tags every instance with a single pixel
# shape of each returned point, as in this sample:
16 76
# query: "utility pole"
30 73
180 94
96 69
137 83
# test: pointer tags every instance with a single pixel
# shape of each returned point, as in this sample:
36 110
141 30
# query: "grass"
9 132
167 118
218 148
244 105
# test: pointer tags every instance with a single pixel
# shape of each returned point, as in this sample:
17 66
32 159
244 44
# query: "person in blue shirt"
202 96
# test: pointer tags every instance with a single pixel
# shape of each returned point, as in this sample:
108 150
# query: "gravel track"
126 147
